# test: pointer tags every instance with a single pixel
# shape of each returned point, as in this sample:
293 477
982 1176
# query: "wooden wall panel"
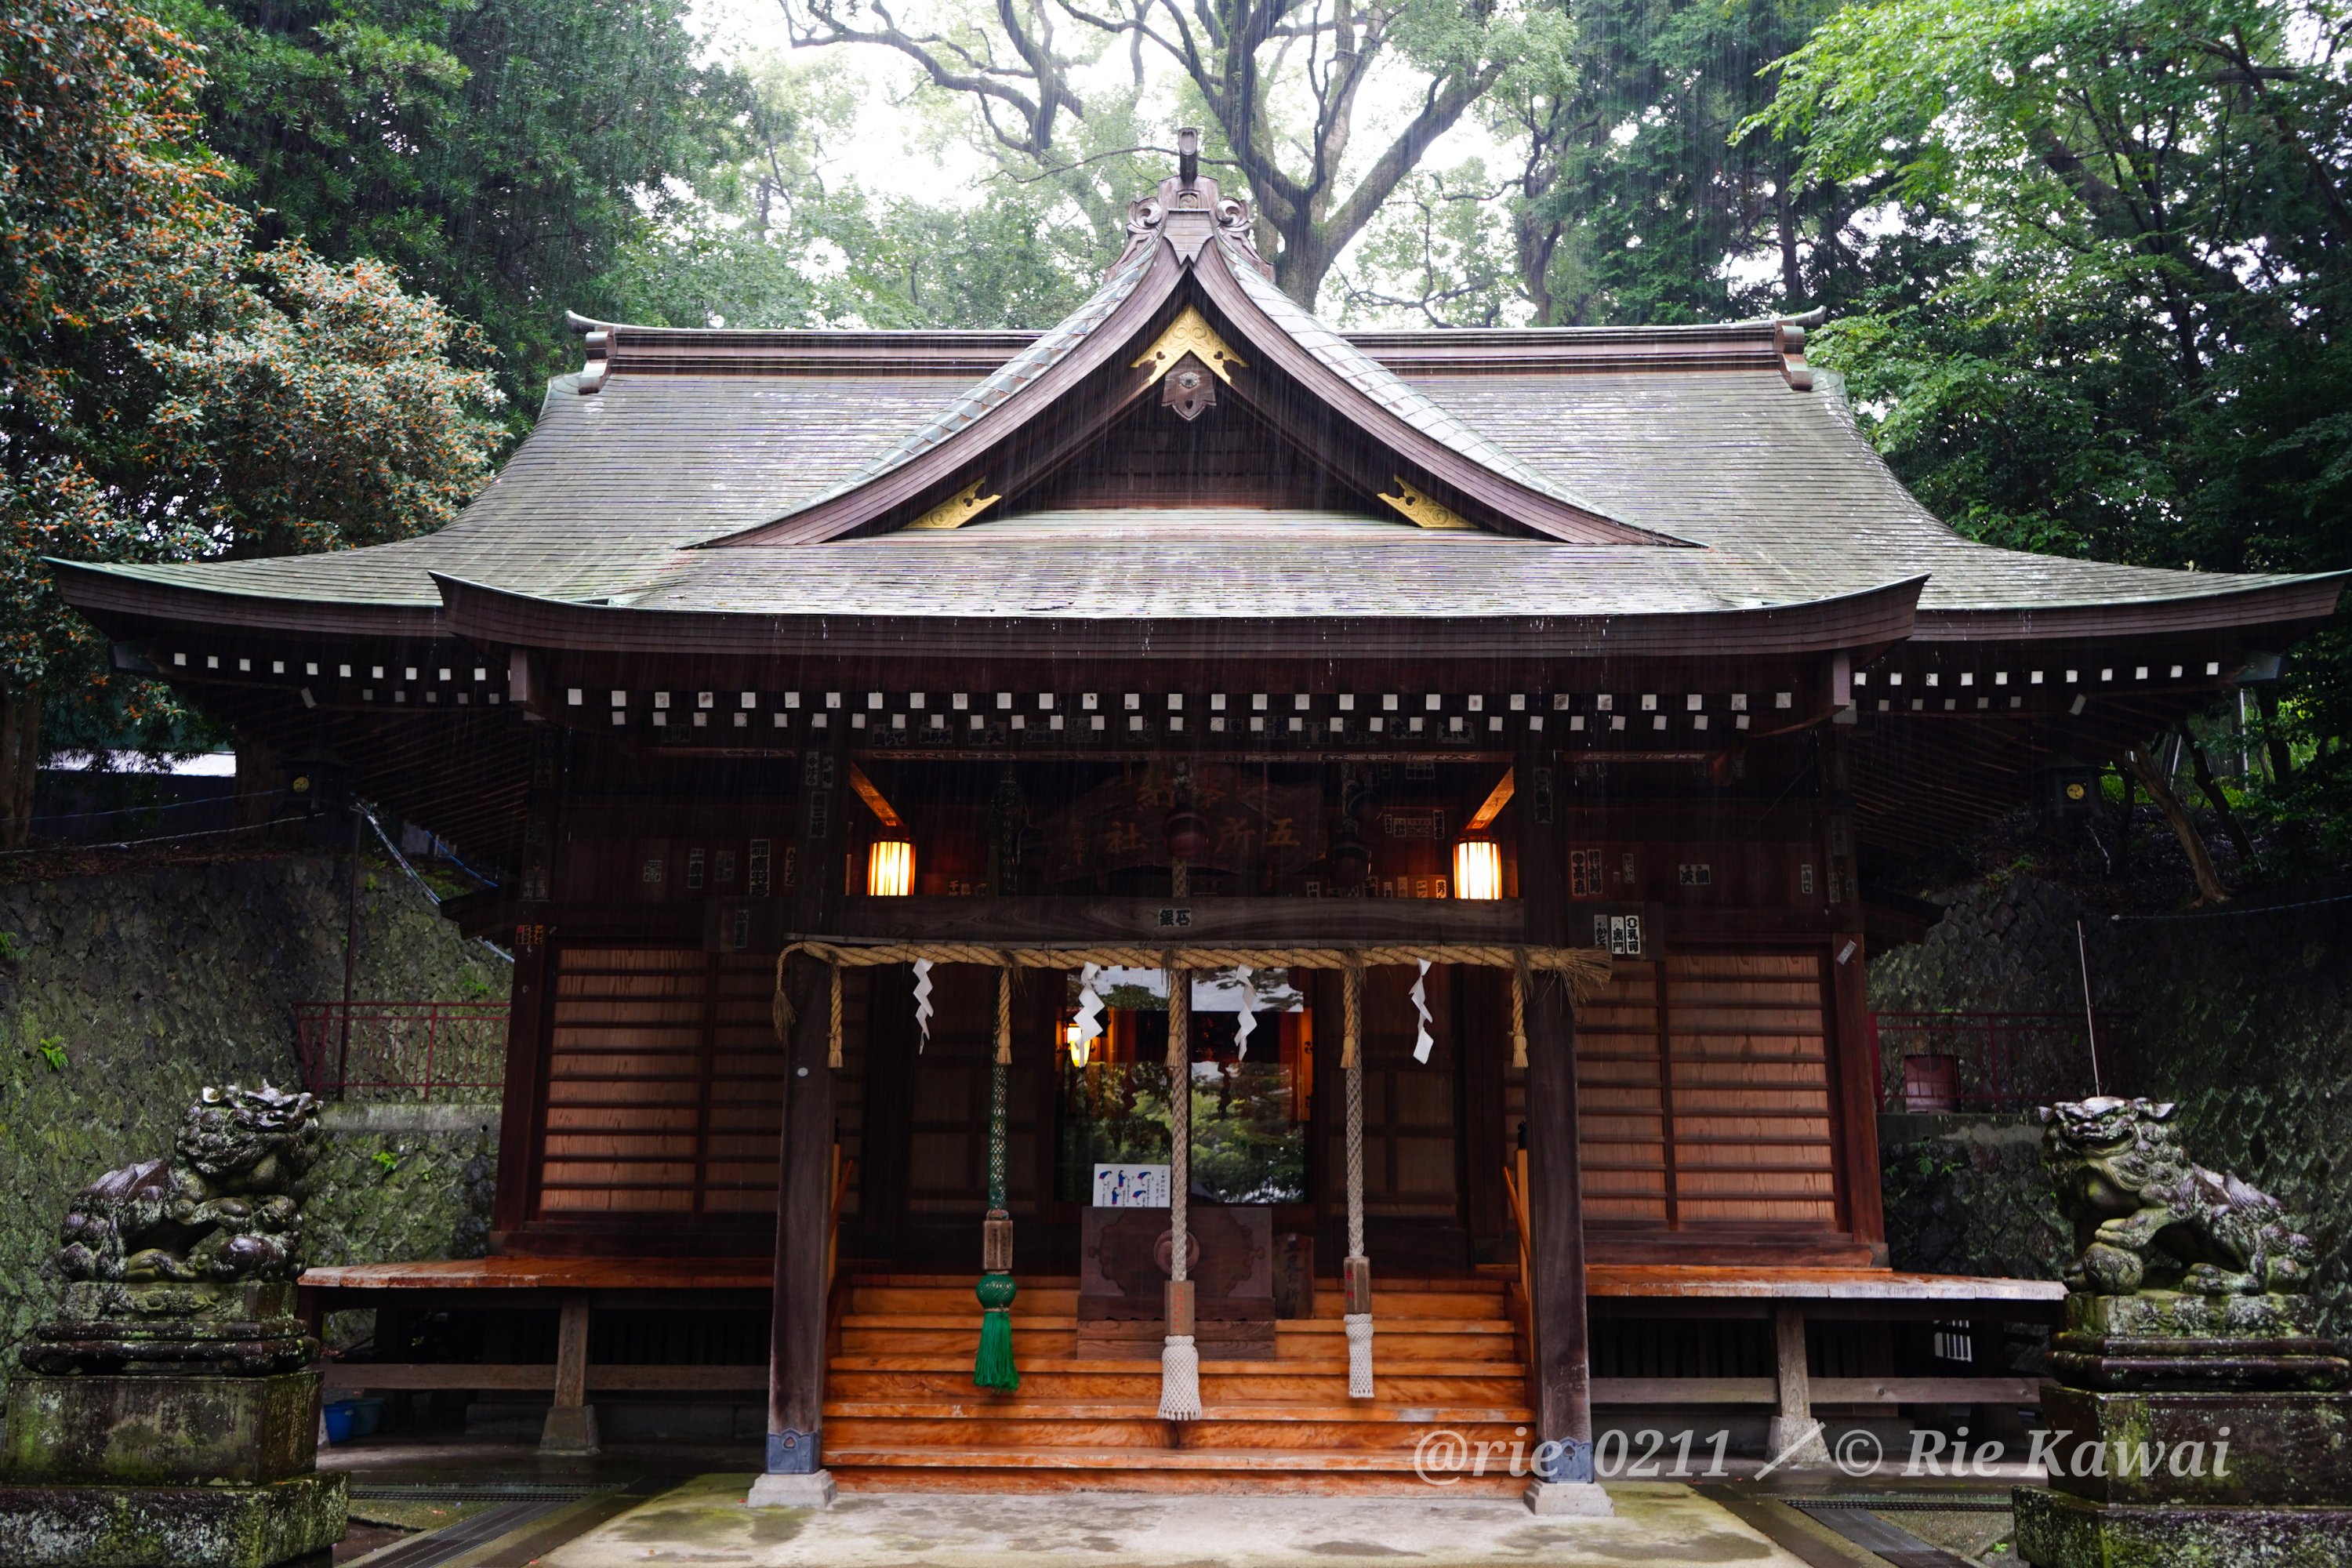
1622 1102
1752 1135
1705 1092
664 1085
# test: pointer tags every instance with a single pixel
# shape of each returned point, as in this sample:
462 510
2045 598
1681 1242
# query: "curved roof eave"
485 615
103 590
2285 602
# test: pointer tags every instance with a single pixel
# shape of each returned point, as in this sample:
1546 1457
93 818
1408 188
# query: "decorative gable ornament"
1422 512
958 508
1190 334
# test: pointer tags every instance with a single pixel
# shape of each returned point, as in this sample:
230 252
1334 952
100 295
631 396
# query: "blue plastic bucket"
343 1419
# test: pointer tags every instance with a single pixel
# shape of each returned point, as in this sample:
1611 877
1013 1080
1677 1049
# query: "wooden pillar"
795 1470
1562 1374
570 1420
1795 1438
1856 1067
521 1112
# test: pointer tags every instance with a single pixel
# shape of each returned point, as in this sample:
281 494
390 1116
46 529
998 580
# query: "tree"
766 241
164 392
500 153
1281 80
1633 197
2127 340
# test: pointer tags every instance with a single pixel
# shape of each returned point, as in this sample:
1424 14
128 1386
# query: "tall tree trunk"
2121 866
2216 797
262 782
2192 843
20 765
2282 759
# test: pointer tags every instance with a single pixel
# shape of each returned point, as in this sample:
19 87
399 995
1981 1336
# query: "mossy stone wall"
2243 1019
122 996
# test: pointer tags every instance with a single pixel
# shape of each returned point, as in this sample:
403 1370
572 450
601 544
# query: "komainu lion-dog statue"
226 1206
2146 1216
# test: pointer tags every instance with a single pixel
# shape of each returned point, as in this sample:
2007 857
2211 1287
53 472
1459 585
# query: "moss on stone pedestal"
2054 1531
154 1431
170 1527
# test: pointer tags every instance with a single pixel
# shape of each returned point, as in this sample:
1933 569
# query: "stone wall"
2242 1017
122 996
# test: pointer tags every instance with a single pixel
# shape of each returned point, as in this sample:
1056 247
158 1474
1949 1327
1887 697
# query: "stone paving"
705 1522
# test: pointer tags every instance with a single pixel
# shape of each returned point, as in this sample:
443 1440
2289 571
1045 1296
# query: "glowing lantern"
890 868
1081 1049
1477 869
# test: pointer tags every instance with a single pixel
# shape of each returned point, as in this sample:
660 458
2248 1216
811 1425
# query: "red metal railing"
1995 1061
402 1050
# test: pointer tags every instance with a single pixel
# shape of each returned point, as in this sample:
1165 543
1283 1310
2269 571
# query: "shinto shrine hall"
1321 880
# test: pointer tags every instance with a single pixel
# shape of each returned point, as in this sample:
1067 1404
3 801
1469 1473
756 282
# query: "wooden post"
520 1114
795 1474
570 1420
1795 1438
1856 1068
1562 1374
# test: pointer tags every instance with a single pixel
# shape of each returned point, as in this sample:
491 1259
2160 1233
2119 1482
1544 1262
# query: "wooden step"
927 1456
1262 1475
1368 1412
1147 1433
1059 1301
953 1381
902 1412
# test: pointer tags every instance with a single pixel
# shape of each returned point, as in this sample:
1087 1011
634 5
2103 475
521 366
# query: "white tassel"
1180 1380
1359 1354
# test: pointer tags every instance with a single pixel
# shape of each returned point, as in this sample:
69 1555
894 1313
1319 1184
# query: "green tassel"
993 1368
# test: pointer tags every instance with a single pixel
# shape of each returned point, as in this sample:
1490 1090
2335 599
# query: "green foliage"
52 1050
499 154
167 392
767 242
2107 318
12 947
385 1161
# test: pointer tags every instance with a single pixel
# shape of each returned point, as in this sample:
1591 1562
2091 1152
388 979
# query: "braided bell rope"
1180 1112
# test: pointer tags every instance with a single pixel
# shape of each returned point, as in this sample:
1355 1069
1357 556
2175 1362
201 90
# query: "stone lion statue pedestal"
2195 1413
165 1418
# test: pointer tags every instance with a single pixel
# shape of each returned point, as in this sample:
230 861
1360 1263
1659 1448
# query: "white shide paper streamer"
1421 1042
923 1002
1244 1025
1089 1020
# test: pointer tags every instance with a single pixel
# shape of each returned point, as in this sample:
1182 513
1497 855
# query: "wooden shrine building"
1495 731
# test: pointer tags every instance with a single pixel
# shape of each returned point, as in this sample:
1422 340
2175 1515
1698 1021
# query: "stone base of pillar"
1795 1443
814 1490
1568 1500
571 1431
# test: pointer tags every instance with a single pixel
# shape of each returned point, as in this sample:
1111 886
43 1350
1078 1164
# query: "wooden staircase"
902 1413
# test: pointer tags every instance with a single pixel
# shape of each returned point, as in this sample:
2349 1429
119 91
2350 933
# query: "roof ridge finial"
1188 156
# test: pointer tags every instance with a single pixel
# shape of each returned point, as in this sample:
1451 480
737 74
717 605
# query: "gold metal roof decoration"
1422 512
1191 333
958 508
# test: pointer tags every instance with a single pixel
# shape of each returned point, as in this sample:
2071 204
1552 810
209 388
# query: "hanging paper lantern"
1477 869
890 868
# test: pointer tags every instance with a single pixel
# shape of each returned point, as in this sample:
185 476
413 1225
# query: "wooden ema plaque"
1123 1276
